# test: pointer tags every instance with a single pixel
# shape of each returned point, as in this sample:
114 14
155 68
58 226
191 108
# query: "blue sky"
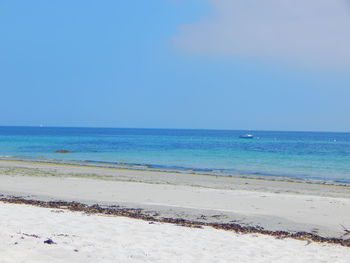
214 64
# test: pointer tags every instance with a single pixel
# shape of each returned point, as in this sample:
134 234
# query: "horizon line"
153 128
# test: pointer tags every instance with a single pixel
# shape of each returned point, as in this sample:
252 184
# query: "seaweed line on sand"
140 214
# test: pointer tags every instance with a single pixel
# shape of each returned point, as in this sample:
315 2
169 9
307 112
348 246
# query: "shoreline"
73 170
184 170
315 210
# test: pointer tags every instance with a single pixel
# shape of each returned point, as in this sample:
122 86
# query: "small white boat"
247 136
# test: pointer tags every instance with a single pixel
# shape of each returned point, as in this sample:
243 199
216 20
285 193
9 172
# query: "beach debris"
62 235
202 217
308 242
30 235
347 231
49 241
57 211
140 214
216 216
63 151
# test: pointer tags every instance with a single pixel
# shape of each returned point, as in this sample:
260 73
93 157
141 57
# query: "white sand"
274 205
99 238
322 209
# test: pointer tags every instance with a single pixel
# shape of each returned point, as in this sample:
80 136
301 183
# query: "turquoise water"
308 155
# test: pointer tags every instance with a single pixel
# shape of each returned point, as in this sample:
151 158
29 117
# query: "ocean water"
305 155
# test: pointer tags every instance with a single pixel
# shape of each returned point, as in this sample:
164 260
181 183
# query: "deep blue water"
310 155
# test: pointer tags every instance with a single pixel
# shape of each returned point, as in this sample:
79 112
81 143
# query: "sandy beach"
79 237
272 205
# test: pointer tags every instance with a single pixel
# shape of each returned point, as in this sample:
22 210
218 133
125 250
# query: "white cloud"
299 31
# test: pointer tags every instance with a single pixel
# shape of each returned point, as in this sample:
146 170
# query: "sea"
317 156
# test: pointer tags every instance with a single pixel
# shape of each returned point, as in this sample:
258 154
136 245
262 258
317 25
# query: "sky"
207 64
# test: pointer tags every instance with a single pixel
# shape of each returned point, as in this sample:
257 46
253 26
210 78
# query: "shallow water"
308 155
